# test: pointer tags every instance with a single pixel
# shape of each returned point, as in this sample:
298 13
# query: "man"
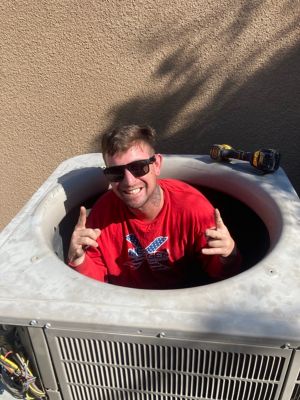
146 232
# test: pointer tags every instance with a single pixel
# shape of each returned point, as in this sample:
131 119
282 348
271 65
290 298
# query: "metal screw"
286 346
161 335
33 322
47 325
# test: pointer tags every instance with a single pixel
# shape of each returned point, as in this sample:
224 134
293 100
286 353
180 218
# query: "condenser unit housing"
237 339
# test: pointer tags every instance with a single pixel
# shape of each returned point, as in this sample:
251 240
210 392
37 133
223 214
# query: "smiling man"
147 232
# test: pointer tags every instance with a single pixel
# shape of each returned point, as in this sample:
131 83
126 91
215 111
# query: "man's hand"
82 237
219 240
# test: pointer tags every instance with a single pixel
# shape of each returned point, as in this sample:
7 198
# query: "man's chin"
133 204
136 201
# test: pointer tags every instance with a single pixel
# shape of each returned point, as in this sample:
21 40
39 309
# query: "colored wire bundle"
17 377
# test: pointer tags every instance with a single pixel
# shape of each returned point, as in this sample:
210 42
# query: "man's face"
136 193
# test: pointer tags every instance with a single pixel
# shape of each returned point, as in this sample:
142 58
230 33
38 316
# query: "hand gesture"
219 240
82 238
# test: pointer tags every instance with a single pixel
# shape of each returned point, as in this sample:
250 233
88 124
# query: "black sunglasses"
136 168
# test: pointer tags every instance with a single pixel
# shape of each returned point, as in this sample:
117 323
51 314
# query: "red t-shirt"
161 254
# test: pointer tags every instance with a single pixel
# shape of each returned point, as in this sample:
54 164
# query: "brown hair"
122 138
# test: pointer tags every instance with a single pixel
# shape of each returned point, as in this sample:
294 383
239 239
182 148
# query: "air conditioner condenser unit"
237 339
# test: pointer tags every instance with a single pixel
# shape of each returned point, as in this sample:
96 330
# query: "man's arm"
219 240
81 239
225 258
84 254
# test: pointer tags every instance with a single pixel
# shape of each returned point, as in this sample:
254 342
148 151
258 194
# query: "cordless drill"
266 160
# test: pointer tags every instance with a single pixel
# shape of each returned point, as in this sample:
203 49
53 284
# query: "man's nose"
128 177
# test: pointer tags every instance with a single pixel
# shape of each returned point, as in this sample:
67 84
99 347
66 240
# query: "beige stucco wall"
201 72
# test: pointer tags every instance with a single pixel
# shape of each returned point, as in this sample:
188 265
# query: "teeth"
133 191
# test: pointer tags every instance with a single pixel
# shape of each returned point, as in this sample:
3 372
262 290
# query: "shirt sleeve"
219 269
92 266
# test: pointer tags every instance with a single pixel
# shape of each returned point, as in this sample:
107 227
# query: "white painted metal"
261 303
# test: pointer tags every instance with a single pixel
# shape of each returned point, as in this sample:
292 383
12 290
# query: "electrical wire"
17 377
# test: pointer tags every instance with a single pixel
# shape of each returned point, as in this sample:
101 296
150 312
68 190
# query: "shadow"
245 226
247 96
236 216
82 187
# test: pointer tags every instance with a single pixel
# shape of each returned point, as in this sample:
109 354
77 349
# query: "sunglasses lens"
139 168
114 174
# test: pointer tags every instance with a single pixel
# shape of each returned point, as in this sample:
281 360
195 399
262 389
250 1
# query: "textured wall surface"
201 72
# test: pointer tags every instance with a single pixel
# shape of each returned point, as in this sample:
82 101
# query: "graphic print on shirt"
157 260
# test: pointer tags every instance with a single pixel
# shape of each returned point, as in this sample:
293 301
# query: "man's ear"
158 163
104 159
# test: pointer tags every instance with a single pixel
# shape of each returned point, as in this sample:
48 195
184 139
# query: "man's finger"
88 232
82 218
211 251
213 234
218 219
215 243
88 242
97 231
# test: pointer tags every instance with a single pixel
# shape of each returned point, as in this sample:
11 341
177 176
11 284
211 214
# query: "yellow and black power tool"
266 160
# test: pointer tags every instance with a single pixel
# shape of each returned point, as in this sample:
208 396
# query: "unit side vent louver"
131 368
296 391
